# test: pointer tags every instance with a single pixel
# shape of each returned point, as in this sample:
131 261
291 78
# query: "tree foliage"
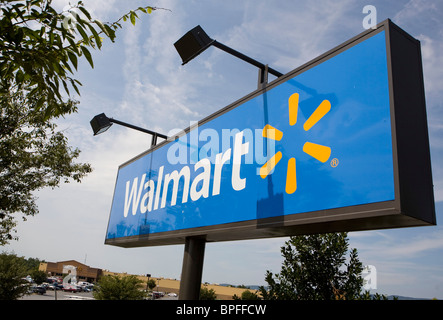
32 156
150 284
38 276
13 270
41 49
119 288
315 268
207 294
40 52
247 295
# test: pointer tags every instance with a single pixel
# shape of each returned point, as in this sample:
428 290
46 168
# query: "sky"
139 79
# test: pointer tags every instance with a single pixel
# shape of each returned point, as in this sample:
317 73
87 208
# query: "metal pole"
192 268
262 77
138 128
154 140
244 57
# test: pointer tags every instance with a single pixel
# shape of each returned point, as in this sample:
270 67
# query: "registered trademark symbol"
334 162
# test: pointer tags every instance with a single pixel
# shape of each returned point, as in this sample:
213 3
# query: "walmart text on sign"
321 149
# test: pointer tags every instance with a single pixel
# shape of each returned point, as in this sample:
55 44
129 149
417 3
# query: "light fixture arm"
243 57
156 134
101 123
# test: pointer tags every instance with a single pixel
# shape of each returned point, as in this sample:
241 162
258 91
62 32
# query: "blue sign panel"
321 139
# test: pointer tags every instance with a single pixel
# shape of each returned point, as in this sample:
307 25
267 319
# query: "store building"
84 272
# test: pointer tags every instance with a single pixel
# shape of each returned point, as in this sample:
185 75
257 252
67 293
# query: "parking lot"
50 295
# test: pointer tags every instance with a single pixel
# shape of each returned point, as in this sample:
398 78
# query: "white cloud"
407 260
157 94
413 9
432 63
416 246
388 242
99 9
262 255
423 19
287 33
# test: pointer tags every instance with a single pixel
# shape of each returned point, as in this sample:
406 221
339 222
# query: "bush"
119 288
207 294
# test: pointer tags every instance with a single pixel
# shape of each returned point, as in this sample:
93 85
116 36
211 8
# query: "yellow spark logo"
317 151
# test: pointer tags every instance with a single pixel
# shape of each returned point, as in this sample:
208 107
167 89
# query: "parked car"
70 288
55 286
85 286
38 289
45 285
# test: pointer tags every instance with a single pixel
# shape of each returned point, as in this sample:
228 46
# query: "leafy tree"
32 263
38 276
12 271
151 284
367 296
32 156
315 268
247 295
40 50
119 288
207 294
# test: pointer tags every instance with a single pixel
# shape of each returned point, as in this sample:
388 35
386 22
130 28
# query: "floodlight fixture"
196 41
101 123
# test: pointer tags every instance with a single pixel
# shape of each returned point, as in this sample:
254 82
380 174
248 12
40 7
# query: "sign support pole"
262 77
192 268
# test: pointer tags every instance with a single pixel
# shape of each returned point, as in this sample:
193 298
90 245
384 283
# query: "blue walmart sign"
318 140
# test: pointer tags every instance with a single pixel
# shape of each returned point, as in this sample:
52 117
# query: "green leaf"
58 41
40 102
74 45
42 31
67 66
132 16
110 33
56 67
55 87
73 59
97 38
75 86
85 12
101 26
66 87
87 55
83 34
